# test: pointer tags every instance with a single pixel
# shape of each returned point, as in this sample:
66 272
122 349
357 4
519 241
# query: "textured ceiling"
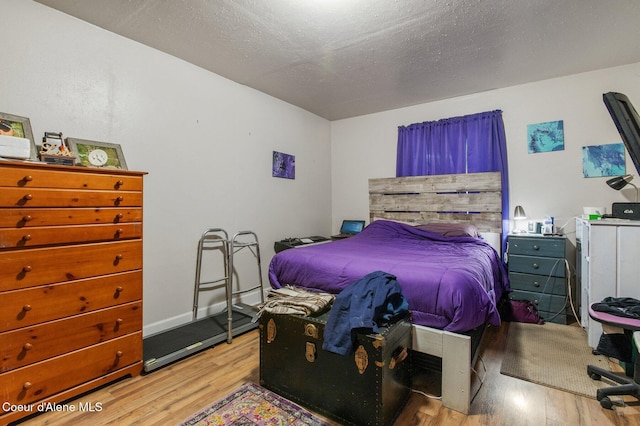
344 58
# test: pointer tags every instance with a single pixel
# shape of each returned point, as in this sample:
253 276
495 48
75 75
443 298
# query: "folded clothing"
296 301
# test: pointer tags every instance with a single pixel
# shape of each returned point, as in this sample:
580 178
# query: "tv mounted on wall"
627 121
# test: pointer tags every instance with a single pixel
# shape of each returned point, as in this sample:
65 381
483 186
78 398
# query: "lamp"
620 182
519 213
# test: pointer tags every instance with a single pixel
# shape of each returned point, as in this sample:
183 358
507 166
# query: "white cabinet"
609 262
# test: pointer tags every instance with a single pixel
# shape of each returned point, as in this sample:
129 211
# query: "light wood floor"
171 394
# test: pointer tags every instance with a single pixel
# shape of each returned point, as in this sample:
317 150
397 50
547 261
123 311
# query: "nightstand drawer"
546 266
544 302
533 246
538 283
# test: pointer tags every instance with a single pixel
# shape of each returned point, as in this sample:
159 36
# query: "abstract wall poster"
545 137
284 165
603 160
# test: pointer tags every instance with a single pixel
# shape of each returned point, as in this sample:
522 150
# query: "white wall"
205 141
548 183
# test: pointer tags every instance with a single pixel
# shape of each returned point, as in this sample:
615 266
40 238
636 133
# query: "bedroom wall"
206 142
549 183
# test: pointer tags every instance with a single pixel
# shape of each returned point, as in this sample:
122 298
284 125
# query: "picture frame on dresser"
15 125
91 153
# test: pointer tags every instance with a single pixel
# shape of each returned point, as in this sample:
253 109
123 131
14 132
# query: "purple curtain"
471 143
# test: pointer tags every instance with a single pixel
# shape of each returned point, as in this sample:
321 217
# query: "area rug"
253 405
552 355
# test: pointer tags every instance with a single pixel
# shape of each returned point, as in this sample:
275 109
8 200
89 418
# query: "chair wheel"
606 403
595 376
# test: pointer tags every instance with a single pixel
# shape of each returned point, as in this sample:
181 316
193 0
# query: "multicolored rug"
255 406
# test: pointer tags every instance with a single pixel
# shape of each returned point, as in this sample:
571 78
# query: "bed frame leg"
456 372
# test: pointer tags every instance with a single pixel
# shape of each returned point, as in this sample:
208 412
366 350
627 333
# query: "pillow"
451 229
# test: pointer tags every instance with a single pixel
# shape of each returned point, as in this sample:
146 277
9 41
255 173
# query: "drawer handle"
119 199
27 347
27 218
119 184
26 308
27 385
119 354
27 178
27 197
119 232
535 266
119 217
119 289
536 284
27 237
119 257
119 321
26 268
536 247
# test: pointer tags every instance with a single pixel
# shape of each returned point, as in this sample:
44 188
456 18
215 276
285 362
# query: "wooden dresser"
70 282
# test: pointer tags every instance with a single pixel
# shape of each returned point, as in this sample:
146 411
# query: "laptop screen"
351 226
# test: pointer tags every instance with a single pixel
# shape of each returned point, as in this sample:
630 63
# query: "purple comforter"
451 283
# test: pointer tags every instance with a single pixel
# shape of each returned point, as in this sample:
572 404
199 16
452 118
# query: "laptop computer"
349 228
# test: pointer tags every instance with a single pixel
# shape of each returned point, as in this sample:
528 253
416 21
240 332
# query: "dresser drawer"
39 266
532 246
42 197
46 235
538 283
546 266
26 177
32 344
544 302
37 381
29 306
26 217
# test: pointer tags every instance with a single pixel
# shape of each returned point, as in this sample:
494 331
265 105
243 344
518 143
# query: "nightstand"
537 272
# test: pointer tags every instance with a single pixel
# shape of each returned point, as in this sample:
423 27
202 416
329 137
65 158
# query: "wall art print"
603 160
284 165
545 137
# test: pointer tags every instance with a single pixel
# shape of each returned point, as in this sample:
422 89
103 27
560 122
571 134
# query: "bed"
452 283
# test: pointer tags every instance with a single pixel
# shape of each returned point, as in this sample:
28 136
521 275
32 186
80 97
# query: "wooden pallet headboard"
474 198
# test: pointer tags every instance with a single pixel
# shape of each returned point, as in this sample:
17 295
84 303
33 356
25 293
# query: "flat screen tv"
628 123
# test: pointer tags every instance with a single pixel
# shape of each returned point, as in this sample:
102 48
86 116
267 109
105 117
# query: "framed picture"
284 165
14 125
97 154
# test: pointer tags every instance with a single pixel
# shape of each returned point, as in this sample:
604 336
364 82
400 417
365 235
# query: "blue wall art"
545 137
284 165
603 160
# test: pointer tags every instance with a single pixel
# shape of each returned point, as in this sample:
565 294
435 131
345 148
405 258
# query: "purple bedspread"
451 283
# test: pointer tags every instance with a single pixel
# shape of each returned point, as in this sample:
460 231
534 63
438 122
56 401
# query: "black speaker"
626 211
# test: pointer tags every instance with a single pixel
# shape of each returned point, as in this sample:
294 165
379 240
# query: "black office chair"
625 347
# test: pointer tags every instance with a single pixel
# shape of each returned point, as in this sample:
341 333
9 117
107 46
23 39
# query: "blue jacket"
376 298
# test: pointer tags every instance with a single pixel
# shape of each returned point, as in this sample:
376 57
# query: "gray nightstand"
537 272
